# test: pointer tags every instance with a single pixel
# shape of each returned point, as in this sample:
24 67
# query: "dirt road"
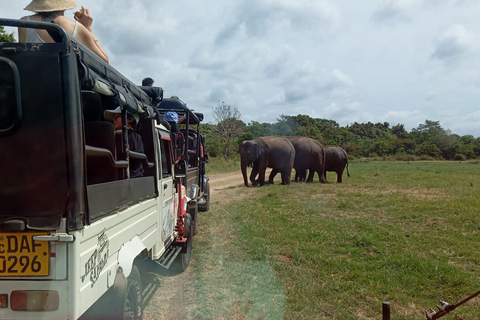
174 298
220 182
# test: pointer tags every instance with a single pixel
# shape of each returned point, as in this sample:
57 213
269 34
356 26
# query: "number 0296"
21 255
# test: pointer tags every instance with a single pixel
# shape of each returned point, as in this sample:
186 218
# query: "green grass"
220 165
404 232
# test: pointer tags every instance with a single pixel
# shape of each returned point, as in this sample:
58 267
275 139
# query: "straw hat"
51 5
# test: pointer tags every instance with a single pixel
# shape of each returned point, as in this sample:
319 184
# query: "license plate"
21 255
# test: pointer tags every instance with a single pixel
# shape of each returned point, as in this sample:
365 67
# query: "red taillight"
3 300
39 300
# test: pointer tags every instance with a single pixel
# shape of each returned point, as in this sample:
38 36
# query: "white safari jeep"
75 227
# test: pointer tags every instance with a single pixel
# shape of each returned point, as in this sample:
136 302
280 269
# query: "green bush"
460 157
405 157
425 157
220 165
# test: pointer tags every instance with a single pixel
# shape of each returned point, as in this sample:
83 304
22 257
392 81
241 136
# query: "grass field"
404 232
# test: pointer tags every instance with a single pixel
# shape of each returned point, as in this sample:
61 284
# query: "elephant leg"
297 175
272 175
339 176
261 176
322 177
253 175
303 175
286 177
310 175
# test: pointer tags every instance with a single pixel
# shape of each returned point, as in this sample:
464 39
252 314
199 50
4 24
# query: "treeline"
429 141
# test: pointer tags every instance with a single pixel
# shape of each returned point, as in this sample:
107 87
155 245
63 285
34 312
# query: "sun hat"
51 5
171 116
110 114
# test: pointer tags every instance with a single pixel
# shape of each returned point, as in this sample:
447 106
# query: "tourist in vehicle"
147 82
135 142
53 11
173 116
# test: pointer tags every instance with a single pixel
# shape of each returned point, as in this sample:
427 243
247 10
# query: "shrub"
405 157
460 157
389 158
425 157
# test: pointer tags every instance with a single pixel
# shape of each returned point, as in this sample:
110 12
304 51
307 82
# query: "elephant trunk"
323 173
244 163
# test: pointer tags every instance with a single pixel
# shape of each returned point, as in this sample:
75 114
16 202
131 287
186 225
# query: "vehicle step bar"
169 256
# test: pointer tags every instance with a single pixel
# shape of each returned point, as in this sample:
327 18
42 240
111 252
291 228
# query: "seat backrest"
120 152
92 106
100 134
173 126
191 139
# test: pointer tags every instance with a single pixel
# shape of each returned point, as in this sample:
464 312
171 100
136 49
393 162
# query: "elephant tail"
348 173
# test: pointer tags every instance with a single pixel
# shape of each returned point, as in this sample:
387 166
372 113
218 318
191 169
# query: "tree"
6 37
428 131
432 127
399 131
285 126
448 144
256 129
430 149
214 145
229 125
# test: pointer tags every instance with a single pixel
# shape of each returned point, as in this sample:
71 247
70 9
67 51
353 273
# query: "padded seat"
99 134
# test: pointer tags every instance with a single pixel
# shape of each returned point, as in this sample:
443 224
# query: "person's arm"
22 32
86 36
182 118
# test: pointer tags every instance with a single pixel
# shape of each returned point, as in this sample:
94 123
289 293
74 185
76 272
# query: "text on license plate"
21 255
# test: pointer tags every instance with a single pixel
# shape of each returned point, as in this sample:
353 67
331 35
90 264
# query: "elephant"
300 175
274 152
336 161
309 155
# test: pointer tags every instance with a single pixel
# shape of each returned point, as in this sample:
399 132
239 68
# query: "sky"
395 61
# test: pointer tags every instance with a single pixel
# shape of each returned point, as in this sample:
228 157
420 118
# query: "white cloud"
342 78
445 3
294 96
346 113
339 81
409 118
261 18
453 44
328 59
392 12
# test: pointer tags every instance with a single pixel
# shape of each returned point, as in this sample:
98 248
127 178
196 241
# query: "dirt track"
225 181
174 298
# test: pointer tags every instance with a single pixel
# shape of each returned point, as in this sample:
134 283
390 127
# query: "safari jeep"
75 229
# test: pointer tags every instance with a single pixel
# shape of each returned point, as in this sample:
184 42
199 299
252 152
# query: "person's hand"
84 18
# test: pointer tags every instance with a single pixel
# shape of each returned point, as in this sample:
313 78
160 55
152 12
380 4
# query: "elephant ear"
257 149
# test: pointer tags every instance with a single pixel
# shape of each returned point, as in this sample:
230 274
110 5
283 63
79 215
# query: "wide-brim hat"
110 114
51 5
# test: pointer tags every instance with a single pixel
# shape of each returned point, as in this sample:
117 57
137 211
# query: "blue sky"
399 61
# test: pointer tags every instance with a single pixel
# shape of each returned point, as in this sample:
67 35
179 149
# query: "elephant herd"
283 154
